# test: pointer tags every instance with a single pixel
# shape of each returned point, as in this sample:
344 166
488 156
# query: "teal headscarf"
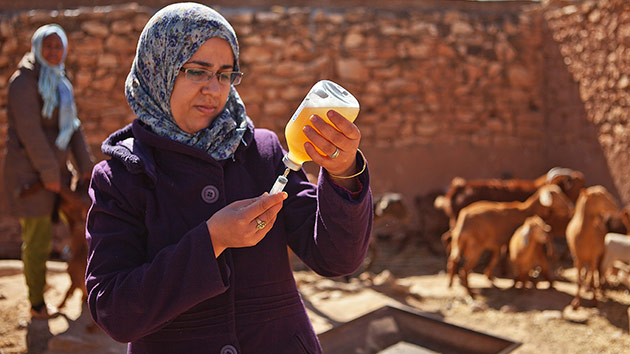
169 40
54 86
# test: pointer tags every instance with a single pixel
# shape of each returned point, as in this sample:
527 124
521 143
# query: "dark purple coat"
152 276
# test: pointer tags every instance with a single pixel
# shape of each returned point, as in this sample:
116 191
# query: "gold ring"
260 224
335 154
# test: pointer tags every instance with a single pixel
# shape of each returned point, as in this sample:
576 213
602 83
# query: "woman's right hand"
237 224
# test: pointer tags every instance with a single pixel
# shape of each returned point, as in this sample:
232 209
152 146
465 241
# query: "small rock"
508 308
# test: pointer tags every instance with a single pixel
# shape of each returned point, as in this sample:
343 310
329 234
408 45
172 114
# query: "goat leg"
544 272
579 280
577 300
493 263
451 268
463 278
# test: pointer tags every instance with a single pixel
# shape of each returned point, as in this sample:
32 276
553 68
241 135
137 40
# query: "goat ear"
545 198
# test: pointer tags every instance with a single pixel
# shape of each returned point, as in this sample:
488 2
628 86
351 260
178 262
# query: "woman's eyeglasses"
202 76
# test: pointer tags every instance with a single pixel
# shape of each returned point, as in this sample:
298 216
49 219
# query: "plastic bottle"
325 95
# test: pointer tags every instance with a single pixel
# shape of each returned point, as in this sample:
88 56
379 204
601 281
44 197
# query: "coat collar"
135 144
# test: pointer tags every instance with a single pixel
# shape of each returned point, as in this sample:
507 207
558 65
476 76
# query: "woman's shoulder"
112 183
110 169
112 174
26 72
266 136
23 76
267 141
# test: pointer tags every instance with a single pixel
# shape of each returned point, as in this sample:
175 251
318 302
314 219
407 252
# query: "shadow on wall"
573 141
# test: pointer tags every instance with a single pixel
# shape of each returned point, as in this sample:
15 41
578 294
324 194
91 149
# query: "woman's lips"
205 109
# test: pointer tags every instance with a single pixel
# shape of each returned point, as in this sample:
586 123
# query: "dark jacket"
152 276
31 153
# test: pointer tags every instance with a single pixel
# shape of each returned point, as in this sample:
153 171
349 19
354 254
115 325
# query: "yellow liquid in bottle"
296 137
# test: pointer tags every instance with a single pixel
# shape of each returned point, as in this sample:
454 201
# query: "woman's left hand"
340 144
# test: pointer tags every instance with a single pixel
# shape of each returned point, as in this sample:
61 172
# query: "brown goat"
489 225
527 249
74 205
585 236
462 193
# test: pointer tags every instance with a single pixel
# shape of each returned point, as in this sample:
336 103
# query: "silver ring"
260 224
335 154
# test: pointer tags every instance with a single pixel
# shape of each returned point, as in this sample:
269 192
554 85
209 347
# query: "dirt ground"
541 319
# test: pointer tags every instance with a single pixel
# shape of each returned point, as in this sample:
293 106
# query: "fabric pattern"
168 41
54 87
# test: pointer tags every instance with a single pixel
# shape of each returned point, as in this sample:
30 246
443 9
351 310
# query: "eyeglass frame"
213 74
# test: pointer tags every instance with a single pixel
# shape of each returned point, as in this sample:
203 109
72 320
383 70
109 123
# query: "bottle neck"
290 163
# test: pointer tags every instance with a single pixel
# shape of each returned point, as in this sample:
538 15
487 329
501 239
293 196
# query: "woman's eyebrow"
208 65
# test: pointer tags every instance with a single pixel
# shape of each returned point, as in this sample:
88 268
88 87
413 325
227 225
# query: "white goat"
617 250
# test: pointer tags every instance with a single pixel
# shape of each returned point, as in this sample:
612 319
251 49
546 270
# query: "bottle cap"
326 93
290 164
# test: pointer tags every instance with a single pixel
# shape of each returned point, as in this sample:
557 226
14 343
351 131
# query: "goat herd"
518 220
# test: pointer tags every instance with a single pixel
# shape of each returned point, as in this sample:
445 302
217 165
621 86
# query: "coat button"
210 194
228 349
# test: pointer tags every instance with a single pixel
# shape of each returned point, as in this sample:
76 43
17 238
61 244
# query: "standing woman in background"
187 251
44 133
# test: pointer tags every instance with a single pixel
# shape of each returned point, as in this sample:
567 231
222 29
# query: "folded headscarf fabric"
170 39
54 86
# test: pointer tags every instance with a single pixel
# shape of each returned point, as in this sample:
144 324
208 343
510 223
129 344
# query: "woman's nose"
211 87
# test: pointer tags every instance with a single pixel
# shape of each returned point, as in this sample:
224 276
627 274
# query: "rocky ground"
541 319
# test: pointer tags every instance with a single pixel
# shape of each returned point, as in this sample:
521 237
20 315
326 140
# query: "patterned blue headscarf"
54 87
170 39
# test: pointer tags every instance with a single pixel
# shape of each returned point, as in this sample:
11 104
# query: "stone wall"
446 89
589 89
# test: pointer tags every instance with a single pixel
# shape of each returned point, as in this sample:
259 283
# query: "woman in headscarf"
187 251
44 132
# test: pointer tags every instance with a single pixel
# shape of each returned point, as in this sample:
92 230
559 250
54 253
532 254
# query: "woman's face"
195 105
52 49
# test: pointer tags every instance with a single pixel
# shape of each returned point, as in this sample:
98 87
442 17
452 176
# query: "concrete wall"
448 88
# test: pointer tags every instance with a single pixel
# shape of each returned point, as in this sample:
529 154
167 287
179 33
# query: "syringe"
281 181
